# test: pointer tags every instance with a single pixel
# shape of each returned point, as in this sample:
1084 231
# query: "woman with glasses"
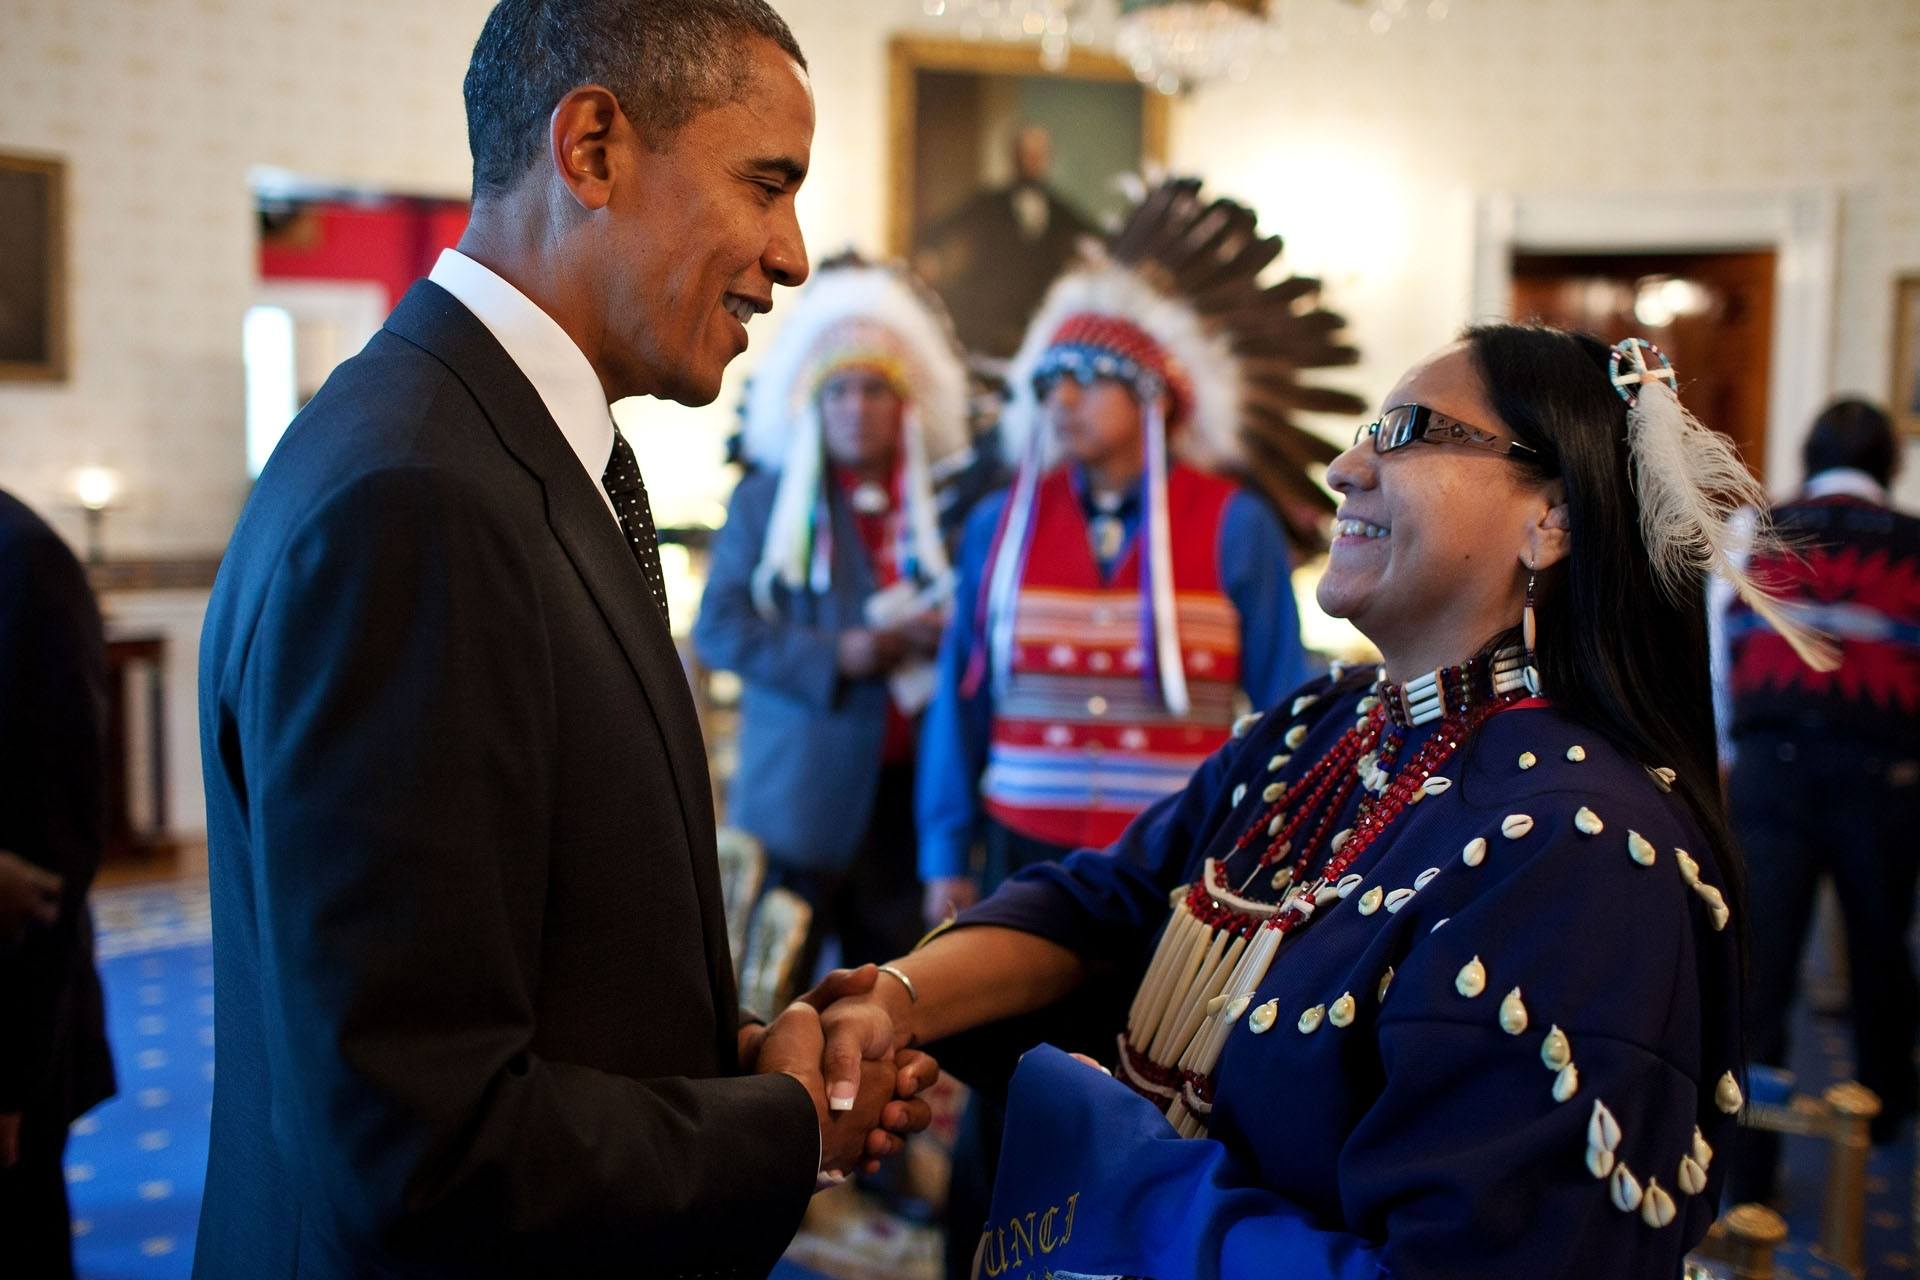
1434 968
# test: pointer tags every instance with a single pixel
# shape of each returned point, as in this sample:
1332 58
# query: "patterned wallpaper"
1367 148
1370 149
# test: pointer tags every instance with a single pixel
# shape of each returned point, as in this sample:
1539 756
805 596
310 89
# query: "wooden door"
1712 313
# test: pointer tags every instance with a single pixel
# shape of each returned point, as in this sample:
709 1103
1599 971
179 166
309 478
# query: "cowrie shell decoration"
1341 1014
1587 822
1239 794
1348 883
1556 1052
1639 849
1436 786
1476 851
1246 722
1371 899
1386 980
1716 904
1662 777
1692 1179
1274 765
1310 1020
1515 825
1528 760
1603 1136
1576 753
1726 1094
1340 839
1702 1153
1472 978
1304 701
1566 1083
1273 791
1295 736
1624 1189
1264 1017
1689 869
1656 1206
1513 1013
1425 878
1398 899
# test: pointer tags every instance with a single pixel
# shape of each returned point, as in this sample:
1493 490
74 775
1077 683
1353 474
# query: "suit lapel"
431 318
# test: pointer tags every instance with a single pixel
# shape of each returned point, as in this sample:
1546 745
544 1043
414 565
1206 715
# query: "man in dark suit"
475 1005
54 1062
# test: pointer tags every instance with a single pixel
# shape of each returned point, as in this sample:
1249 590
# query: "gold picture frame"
974 95
33 269
1905 400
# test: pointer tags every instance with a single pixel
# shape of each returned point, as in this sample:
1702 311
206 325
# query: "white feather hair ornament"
1691 484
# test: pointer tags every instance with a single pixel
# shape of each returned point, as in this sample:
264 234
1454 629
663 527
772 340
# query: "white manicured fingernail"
840 1098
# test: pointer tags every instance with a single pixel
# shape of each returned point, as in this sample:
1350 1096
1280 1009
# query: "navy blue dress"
1428 1136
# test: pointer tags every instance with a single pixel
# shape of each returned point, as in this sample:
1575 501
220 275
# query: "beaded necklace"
1220 943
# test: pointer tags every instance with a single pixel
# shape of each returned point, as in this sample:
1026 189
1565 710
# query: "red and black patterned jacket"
1852 570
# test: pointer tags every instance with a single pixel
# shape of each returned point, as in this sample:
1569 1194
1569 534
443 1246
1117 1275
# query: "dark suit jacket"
53 683
475 1010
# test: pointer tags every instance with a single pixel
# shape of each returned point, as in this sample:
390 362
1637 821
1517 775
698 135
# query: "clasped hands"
848 1048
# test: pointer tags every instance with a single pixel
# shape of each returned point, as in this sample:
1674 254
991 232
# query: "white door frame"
1802 227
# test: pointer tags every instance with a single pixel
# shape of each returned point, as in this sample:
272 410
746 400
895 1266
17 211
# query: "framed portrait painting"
1000 167
1906 356
33 339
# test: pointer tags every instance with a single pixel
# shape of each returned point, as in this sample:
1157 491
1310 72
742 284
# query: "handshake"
846 1043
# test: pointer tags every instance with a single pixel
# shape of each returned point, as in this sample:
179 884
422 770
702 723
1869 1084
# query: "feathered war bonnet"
854 314
1172 304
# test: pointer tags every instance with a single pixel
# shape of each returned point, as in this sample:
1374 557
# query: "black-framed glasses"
1403 424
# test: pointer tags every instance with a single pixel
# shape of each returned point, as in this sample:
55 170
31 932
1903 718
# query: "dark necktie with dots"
629 494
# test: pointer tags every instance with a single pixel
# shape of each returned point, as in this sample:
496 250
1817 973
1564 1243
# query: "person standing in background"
54 1060
1825 775
1086 673
827 593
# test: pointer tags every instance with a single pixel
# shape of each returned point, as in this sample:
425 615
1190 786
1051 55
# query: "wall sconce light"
96 488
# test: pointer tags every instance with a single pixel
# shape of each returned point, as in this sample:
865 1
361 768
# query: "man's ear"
581 137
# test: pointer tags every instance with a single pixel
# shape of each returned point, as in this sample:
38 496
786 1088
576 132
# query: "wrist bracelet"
913 996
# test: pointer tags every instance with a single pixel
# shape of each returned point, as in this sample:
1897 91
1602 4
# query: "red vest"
1081 739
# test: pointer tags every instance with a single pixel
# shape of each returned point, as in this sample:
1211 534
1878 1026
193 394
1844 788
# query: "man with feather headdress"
1118 601
829 587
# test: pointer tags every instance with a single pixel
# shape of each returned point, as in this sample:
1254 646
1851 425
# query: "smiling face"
694 243
1431 540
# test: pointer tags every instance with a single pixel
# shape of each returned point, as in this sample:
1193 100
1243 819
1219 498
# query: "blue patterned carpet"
135 1164
1823 1055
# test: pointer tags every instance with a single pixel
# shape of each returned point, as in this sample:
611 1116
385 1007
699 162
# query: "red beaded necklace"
1216 949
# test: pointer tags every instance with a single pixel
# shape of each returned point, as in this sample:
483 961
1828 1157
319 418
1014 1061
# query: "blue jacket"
1424 1138
810 740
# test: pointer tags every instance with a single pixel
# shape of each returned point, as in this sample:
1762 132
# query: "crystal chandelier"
1172 45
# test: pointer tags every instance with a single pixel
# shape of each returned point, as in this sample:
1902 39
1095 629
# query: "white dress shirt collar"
534 341
1848 482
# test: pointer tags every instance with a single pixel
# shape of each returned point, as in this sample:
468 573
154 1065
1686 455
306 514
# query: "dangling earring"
1527 638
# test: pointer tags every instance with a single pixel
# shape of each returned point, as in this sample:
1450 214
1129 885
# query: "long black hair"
1615 650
